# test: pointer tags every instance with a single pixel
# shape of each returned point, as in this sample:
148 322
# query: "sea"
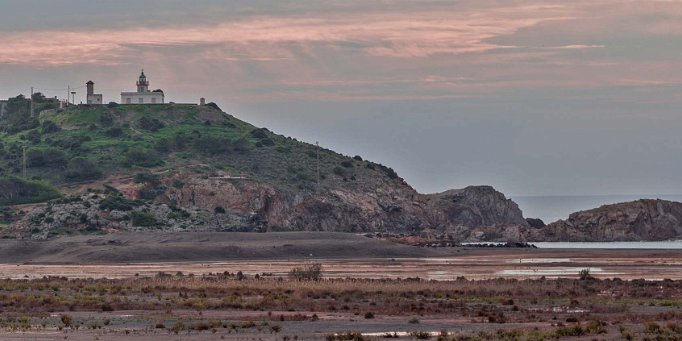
553 208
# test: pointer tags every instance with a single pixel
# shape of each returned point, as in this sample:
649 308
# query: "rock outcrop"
384 207
476 213
645 219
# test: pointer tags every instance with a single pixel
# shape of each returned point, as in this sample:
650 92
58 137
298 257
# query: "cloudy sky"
532 97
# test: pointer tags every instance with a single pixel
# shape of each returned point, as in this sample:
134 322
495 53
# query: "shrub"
71 142
219 210
259 133
212 145
570 331
151 191
117 202
339 171
114 132
421 335
36 157
151 124
177 183
357 158
15 191
142 157
49 127
163 145
144 219
112 105
312 272
146 178
389 171
106 119
347 164
241 146
67 320
80 169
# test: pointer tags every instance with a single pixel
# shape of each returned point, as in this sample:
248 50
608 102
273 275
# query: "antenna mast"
317 143
23 162
31 101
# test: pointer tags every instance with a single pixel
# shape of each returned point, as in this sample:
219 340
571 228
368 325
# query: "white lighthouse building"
143 95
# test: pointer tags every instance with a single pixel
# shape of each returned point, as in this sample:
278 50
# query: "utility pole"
23 162
317 143
68 93
31 101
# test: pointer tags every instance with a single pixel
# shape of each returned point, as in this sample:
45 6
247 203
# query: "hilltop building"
92 98
3 107
143 95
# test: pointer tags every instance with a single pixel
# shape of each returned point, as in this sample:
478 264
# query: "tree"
18 118
585 274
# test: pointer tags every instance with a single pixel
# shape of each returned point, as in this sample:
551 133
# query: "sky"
533 97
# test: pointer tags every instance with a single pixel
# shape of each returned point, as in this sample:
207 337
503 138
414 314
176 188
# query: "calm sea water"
662 245
553 208
665 245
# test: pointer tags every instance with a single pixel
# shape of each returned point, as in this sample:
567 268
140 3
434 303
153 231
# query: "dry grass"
574 307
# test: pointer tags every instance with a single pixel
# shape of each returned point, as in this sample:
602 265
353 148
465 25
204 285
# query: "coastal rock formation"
476 213
644 219
383 207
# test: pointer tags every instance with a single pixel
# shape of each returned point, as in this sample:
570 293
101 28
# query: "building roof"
90 82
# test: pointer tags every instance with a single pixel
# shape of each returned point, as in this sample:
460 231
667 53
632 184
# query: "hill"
644 219
179 167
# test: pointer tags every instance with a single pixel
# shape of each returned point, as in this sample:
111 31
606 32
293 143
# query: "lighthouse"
143 95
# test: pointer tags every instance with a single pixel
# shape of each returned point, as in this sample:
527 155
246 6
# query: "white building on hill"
3 107
92 98
143 95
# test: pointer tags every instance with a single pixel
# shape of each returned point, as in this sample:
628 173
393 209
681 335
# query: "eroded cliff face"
472 213
631 221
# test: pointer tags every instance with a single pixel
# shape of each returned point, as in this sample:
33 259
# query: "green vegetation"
118 203
85 143
82 169
143 219
15 190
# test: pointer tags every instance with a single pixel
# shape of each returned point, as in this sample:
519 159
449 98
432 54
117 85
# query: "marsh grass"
586 307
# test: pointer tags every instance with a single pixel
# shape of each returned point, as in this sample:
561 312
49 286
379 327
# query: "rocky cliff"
630 221
470 214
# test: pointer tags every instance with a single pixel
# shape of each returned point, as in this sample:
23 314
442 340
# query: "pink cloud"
393 34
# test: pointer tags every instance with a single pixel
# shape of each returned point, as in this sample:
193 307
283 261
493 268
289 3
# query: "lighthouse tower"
142 83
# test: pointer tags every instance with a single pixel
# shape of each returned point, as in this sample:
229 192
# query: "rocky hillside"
630 221
185 167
